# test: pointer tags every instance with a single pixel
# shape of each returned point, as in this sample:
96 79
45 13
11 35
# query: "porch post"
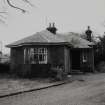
66 60
93 60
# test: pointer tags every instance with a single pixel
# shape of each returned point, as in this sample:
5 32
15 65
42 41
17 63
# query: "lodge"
47 49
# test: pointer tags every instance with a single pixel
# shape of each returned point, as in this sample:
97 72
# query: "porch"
81 60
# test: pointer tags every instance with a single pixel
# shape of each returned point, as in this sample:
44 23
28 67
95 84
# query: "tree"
100 50
12 4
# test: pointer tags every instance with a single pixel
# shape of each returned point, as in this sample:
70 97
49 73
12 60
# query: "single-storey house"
44 50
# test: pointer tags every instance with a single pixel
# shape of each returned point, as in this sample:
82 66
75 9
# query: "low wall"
32 70
4 68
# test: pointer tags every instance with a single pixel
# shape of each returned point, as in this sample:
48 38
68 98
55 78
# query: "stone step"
76 72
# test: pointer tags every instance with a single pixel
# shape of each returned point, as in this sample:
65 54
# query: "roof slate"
76 41
47 37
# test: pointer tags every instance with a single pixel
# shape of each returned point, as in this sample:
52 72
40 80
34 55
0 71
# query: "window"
35 55
84 57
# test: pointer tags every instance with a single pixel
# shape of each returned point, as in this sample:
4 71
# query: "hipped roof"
47 38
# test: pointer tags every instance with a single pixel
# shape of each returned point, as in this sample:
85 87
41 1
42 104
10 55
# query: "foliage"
101 66
100 50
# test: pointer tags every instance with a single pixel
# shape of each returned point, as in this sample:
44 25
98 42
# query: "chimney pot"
53 24
49 24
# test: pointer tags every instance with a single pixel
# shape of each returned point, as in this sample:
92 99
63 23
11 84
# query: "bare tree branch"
2 21
11 5
27 1
2 16
4 13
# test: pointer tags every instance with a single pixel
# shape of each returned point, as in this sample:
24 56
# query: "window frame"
84 57
41 54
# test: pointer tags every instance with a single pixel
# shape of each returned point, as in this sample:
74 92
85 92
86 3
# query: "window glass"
35 55
84 57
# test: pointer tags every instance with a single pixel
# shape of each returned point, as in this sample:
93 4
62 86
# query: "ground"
15 84
88 89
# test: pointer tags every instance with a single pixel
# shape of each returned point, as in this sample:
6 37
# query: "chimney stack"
52 28
88 33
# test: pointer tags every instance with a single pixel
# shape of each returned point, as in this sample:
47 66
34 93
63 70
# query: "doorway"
75 59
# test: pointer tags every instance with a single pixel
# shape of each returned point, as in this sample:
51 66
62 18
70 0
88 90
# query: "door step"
76 72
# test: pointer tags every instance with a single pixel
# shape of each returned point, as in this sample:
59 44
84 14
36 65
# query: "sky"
68 15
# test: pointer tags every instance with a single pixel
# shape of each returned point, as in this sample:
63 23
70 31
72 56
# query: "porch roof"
76 40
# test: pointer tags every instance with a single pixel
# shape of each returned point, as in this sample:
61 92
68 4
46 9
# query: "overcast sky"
68 15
